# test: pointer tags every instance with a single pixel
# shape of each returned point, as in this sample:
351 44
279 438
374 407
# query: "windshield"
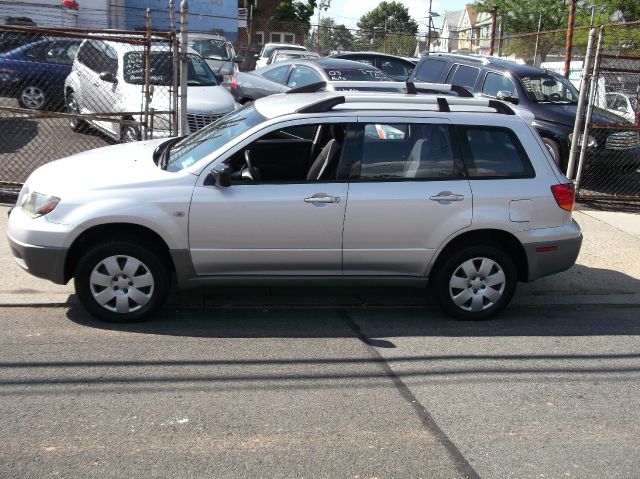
212 49
355 74
549 89
205 141
198 72
269 50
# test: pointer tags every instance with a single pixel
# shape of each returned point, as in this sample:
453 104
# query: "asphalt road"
289 391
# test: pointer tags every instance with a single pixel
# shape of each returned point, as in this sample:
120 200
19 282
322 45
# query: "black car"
283 76
551 99
398 68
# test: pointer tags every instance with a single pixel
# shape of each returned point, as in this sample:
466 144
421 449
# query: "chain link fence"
64 91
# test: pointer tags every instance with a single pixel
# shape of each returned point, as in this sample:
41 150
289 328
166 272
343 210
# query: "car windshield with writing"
212 49
549 89
198 74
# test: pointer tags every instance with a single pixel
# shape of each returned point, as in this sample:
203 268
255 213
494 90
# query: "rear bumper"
43 262
549 257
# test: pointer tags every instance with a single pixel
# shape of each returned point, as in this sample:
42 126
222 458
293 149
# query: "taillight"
565 195
234 82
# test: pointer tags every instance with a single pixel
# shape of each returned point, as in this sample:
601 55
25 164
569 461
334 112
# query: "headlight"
35 204
591 141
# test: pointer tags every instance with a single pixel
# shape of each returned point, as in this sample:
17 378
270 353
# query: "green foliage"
293 16
388 26
334 36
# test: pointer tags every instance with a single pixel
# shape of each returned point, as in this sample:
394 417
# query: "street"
321 392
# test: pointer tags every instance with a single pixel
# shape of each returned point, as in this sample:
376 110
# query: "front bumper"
40 261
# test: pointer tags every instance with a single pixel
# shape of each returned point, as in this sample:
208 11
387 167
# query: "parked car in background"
282 55
269 48
109 77
398 68
283 76
35 73
622 104
219 54
551 98
301 189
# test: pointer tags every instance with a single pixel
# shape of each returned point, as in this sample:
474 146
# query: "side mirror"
221 175
108 77
239 60
219 77
257 55
505 95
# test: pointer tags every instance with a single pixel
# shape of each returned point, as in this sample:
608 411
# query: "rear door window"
494 152
278 75
463 75
431 70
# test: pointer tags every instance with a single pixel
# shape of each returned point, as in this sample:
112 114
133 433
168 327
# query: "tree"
388 26
333 36
294 16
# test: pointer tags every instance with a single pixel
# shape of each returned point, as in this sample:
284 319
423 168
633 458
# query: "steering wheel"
555 96
253 171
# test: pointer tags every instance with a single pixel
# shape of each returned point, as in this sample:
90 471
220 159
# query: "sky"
348 12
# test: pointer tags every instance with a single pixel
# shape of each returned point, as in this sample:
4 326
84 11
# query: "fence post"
535 51
184 12
147 75
176 65
494 15
592 96
584 89
567 56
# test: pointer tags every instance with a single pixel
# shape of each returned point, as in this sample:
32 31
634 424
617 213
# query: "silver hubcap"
121 284
72 107
477 284
32 97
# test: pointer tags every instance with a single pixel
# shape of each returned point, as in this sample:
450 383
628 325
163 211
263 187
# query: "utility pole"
429 28
535 51
567 57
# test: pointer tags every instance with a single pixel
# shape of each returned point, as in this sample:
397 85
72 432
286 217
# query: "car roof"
491 62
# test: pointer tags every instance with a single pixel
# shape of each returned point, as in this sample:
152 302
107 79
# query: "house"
259 13
449 34
467 32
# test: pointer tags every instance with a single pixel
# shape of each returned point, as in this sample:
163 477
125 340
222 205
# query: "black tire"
554 150
478 288
129 133
117 281
33 97
73 107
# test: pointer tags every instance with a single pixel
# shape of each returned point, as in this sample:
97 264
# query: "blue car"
35 73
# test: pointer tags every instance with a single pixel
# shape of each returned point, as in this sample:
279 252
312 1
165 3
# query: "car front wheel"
476 282
32 97
122 281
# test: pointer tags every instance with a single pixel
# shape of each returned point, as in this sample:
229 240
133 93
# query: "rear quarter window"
494 152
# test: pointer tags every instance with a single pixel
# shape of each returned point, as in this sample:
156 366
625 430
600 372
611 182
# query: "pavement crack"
460 462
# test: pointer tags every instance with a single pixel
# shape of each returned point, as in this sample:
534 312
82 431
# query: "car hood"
566 114
208 100
111 167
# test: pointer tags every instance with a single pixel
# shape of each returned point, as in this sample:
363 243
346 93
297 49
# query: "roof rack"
410 87
443 104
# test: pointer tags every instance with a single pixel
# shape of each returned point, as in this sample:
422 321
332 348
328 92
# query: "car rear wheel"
122 281
476 282
554 150
32 97
72 107
129 133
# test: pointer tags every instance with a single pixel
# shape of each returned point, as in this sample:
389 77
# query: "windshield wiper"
163 151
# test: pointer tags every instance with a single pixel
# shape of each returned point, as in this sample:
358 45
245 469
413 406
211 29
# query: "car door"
408 193
57 63
272 226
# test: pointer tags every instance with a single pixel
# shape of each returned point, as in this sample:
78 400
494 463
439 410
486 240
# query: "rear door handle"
447 196
322 199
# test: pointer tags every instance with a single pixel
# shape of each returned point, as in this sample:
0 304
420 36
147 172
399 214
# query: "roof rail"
411 87
443 104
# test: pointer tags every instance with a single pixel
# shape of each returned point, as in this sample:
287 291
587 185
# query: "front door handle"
447 196
322 199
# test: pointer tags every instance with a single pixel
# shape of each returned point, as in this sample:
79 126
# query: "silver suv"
324 188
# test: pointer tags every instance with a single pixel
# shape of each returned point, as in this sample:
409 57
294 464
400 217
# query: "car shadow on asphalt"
392 312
